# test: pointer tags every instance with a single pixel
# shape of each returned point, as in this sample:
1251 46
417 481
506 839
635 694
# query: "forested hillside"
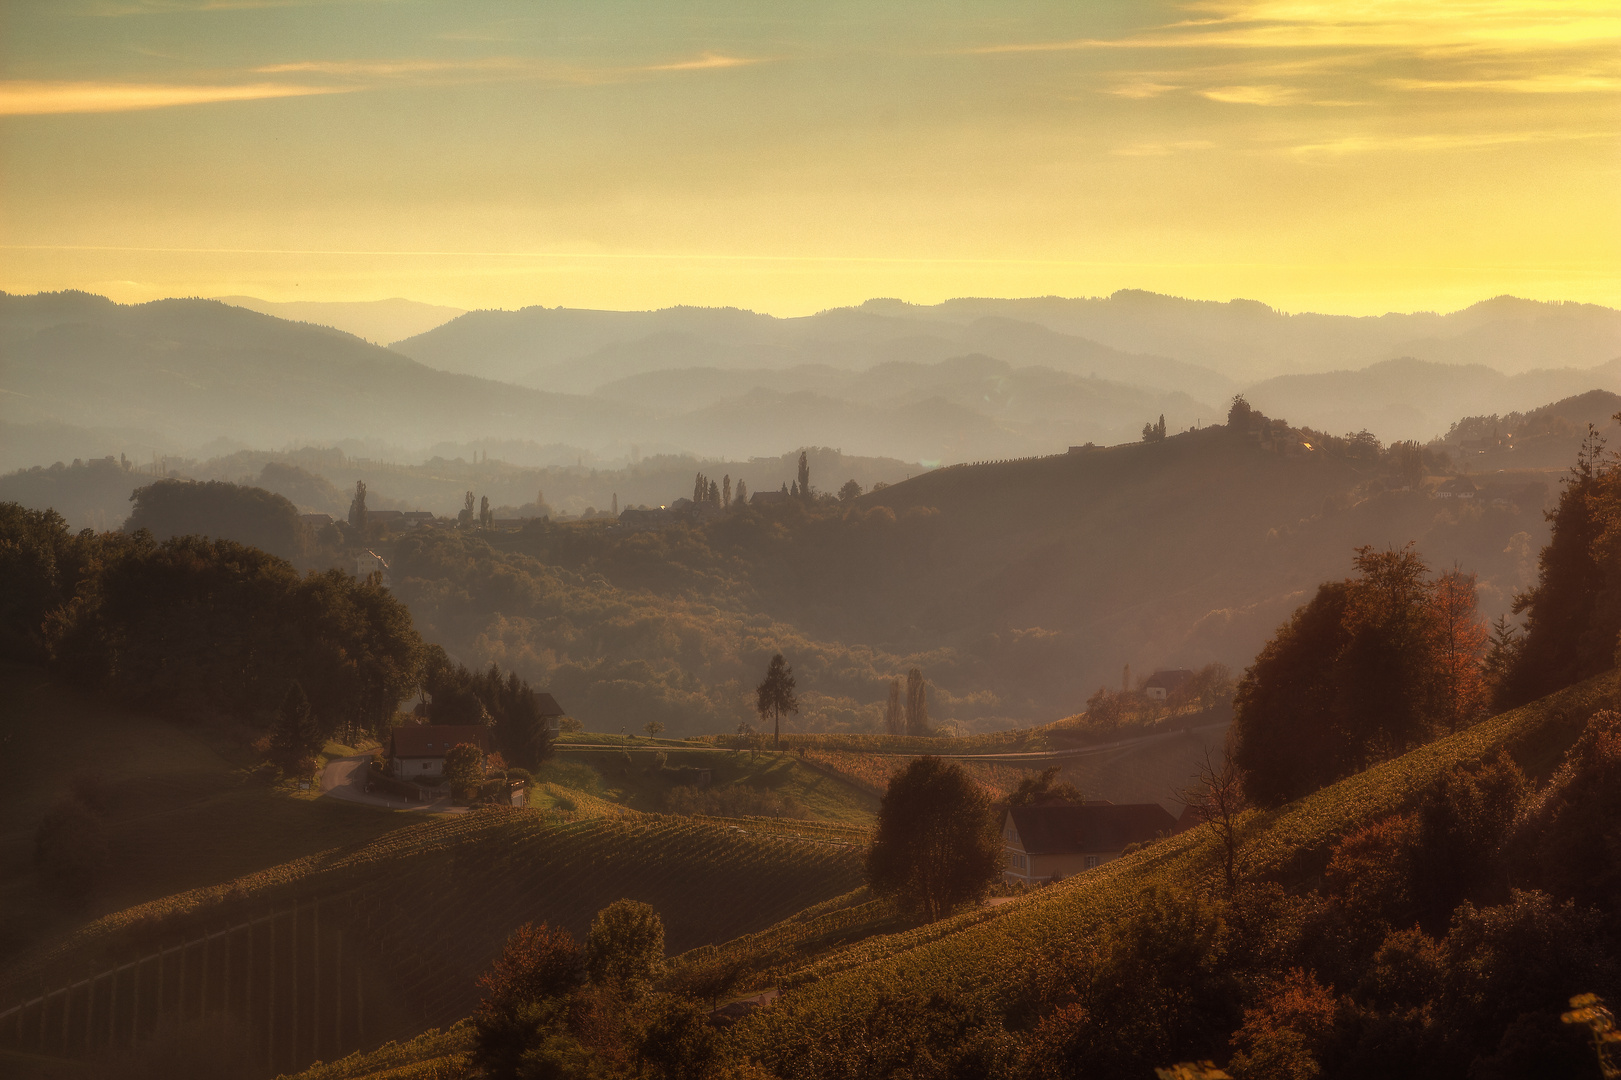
1019 588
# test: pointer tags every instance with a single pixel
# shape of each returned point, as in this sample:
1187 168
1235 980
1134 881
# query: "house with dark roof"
1164 683
417 751
550 711
1055 840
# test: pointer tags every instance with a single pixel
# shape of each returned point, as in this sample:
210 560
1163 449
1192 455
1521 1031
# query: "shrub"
70 848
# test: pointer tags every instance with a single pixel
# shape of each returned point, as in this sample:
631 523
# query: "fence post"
112 1011
90 1011
180 983
293 955
202 996
338 996
67 1014
315 990
270 993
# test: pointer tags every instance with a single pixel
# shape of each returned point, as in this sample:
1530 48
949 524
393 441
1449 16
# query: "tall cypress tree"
917 704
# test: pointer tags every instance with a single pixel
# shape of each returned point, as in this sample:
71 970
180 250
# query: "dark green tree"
917 704
775 697
804 477
466 518
936 845
357 507
296 735
1046 787
70 848
1573 614
850 490
680 1043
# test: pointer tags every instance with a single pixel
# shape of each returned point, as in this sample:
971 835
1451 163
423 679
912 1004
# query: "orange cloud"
33 98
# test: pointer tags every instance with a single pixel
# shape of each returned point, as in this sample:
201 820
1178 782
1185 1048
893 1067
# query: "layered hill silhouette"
195 370
964 380
1417 399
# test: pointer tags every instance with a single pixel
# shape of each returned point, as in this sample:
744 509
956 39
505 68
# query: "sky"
1357 157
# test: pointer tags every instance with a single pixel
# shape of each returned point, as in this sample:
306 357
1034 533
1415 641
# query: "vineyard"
424 910
984 952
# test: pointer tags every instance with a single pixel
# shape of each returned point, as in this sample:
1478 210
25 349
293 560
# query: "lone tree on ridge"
775 696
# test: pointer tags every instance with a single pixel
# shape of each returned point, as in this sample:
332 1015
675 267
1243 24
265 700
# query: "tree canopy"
1370 667
775 697
936 845
223 511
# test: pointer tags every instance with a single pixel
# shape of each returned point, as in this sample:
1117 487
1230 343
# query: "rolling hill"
193 371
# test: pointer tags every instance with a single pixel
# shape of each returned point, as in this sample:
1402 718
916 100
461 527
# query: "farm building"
418 750
1053 841
1162 684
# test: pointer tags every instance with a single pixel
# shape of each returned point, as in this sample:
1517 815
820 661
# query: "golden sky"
1351 157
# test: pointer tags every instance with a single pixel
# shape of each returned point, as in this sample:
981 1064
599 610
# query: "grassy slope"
179 812
434 901
984 950
602 773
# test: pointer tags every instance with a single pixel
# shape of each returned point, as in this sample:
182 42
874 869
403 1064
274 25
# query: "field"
179 808
630 777
396 931
984 952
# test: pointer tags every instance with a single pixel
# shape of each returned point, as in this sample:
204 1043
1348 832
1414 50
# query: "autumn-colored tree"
1458 641
1569 839
464 766
518 1027
1372 666
1284 1036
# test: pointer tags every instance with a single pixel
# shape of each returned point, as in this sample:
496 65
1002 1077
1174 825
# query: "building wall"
1038 868
412 768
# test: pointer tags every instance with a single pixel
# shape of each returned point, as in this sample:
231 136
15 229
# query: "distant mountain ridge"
1417 399
961 381
1131 336
377 321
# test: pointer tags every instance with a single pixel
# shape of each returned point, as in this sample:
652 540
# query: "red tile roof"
432 740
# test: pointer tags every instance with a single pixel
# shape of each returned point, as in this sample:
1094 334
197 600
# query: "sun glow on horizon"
1344 158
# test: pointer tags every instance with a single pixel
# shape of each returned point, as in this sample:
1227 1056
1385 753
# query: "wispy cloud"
1417 26
1252 95
1143 88
706 62
1556 83
36 98
1374 143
